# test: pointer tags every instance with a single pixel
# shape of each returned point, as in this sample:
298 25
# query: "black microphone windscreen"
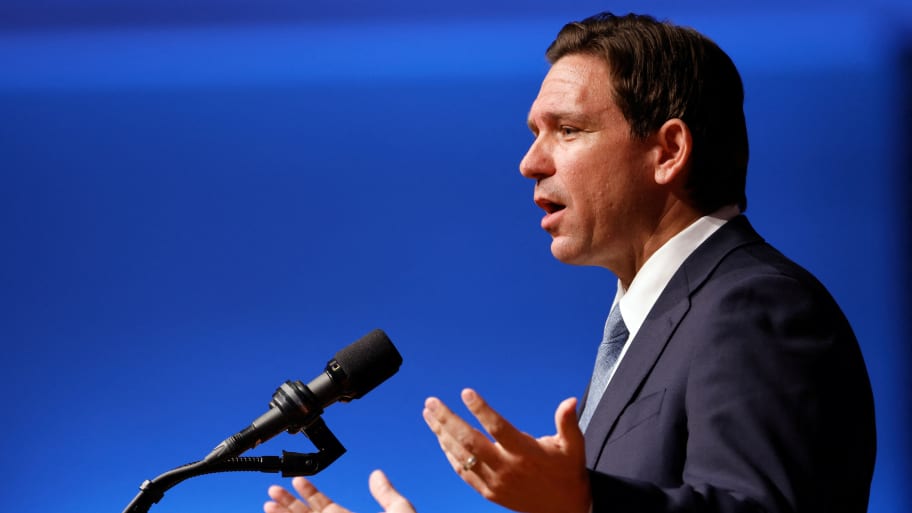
367 362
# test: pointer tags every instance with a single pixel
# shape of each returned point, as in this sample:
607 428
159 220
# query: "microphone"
354 371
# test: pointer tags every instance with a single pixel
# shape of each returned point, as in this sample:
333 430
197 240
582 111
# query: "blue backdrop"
201 201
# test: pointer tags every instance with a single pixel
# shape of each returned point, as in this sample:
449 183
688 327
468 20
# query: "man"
728 379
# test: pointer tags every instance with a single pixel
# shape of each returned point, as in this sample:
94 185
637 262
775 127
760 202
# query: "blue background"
200 200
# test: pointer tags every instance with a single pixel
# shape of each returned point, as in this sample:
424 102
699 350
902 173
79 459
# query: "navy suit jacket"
744 390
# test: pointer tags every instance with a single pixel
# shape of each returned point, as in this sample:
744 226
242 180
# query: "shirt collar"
650 281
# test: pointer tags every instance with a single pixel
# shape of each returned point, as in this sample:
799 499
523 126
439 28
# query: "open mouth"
549 206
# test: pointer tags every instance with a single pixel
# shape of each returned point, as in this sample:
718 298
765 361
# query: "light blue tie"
609 350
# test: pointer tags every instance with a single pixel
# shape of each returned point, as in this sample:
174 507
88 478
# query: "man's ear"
674 146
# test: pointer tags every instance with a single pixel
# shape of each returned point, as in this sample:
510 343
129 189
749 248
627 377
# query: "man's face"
592 177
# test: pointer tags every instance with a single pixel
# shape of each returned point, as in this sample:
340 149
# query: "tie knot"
615 329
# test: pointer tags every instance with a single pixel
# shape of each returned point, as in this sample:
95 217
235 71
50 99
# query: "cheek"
598 193
591 180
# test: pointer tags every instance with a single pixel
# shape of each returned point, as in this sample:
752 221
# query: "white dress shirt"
650 281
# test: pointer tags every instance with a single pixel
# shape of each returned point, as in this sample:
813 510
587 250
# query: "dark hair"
661 71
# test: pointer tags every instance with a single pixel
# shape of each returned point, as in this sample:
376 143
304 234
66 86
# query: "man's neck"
671 222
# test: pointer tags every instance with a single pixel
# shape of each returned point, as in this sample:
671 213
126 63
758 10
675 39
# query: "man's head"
639 130
660 71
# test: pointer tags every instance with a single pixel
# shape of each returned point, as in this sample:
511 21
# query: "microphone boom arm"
290 464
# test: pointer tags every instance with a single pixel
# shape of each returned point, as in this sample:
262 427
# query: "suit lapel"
641 357
658 328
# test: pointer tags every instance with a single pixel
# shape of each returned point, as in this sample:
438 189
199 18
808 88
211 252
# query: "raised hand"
530 475
314 500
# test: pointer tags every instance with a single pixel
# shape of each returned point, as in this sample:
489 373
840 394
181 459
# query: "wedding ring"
469 463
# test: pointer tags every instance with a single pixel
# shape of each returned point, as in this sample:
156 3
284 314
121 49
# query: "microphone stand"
290 464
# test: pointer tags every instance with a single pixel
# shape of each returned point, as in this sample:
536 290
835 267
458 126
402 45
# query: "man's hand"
543 475
314 501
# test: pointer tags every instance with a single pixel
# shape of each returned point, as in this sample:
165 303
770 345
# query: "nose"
537 163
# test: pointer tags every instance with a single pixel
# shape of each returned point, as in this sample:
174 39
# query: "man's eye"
568 130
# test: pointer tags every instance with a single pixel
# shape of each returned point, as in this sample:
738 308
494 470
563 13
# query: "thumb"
567 424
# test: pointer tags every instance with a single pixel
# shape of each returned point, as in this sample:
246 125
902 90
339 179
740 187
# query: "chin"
571 252
566 253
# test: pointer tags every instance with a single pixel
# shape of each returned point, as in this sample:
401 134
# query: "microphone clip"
328 450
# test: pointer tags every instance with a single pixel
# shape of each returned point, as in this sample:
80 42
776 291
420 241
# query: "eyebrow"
556 116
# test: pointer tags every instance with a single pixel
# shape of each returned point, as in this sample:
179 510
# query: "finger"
476 476
387 496
508 436
459 442
437 415
274 507
447 425
457 438
467 468
316 501
283 502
